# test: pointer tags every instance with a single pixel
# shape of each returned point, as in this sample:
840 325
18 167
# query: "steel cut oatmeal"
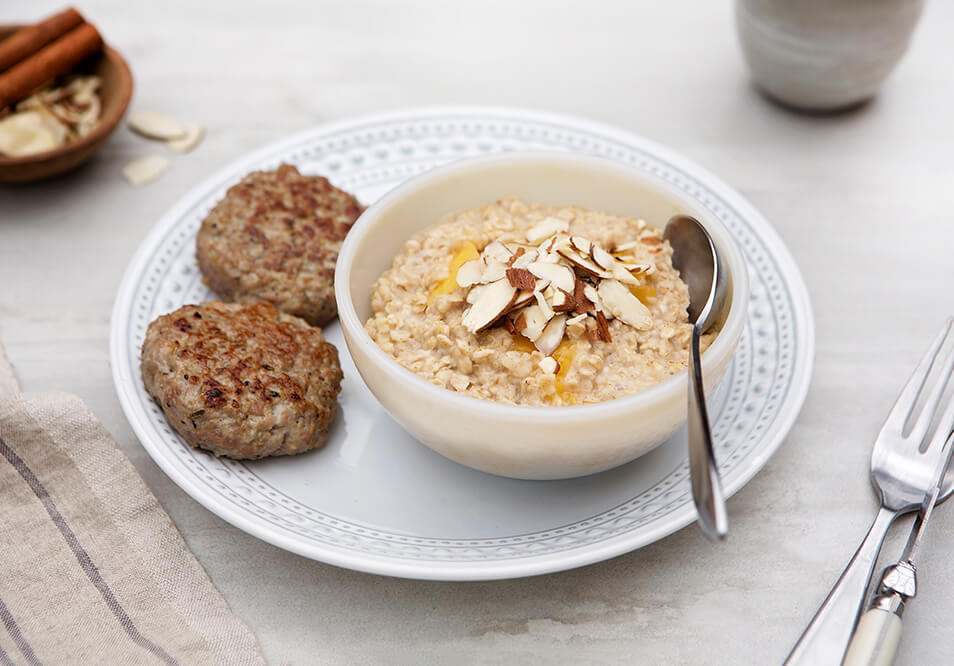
537 305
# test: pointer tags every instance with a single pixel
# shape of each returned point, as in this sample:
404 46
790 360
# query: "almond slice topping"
582 262
496 251
619 301
523 299
559 276
544 305
521 278
556 281
552 335
494 271
469 273
546 228
489 306
535 320
601 257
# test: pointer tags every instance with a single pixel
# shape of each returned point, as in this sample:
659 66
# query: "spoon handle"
706 486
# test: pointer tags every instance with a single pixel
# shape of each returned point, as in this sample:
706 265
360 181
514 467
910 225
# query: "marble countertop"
863 200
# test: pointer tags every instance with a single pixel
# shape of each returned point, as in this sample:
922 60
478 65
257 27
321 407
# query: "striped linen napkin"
94 571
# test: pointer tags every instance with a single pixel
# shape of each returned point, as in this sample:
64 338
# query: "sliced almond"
155 125
535 320
580 244
193 135
475 293
559 276
544 305
496 251
546 228
494 271
523 299
519 252
28 133
491 304
584 263
618 300
549 365
145 169
552 335
592 295
637 268
560 299
578 319
524 260
581 304
601 257
469 273
602 328
623 275
547 257
619 249
522 279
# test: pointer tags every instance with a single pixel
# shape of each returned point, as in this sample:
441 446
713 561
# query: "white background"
864 200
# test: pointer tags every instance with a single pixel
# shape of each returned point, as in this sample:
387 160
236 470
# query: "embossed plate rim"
129 388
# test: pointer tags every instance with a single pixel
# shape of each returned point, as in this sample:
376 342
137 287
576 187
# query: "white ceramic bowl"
523 442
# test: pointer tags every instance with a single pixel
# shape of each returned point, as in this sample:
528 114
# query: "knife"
879 629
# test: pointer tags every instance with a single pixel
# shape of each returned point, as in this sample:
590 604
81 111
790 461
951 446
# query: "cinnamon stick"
53 60
30 39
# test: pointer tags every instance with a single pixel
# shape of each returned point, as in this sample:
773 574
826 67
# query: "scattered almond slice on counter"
191 138
145 169
179 137
155 125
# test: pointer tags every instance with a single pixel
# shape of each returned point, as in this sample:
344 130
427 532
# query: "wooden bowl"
115 94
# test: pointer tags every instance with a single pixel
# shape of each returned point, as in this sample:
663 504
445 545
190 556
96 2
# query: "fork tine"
930 404
899 414
945 425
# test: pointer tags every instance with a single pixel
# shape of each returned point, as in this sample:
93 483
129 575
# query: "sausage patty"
275 236
244 381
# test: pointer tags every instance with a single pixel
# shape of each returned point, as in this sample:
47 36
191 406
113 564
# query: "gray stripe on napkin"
94 569
14 630
87 564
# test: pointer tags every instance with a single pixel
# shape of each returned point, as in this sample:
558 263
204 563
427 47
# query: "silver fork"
903 476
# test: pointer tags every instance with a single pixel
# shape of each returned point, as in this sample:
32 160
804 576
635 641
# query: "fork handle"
827 636
876 640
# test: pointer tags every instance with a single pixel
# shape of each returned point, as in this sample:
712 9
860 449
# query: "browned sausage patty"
275 237
244 381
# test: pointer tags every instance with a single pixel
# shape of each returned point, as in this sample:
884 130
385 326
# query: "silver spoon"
694 255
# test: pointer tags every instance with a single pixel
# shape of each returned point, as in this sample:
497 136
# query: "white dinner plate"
376 500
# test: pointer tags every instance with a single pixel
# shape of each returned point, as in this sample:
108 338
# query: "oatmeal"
535 305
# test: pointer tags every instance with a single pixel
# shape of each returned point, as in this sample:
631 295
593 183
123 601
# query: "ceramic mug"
824 55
